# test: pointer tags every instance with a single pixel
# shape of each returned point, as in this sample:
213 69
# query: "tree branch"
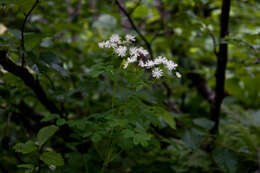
213 40
22 30
148 45
29 81
221 67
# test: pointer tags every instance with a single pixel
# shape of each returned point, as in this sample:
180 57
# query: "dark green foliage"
73 108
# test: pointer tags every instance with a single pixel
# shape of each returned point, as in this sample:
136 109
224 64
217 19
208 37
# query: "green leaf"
32 40
50 117
45 133
52 158
128 133
192 139
97 70
169 119
29 167
25 148
165 115
60 122
141 138
139 87
226 160
53 61
140 12
203 122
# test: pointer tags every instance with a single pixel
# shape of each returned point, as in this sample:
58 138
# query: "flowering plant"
138 55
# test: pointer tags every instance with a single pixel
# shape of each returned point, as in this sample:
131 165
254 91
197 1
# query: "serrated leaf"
52 158
128 133
226 160
45 133
141 138
25 148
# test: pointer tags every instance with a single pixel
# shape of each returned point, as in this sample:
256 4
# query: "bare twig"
148 45
22 30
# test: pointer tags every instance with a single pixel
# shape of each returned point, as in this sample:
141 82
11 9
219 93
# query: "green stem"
114 94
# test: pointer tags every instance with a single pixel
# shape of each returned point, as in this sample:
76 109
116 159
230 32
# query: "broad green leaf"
203 122
52 158
60 122
140 12
29 167
50 117
25 148
45 133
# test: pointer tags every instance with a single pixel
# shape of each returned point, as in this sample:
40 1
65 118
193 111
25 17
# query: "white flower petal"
121 51
115 38
178 75
157 73
130 38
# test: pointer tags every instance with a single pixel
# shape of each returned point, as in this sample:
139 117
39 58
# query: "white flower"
101 44
157 73
178 75
141 63
113 45
149 64
171 65
130 38
143 51
115 38
131 59
121 51
133 52
160 60
107 44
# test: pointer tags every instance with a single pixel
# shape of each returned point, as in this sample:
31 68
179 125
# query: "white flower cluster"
138 55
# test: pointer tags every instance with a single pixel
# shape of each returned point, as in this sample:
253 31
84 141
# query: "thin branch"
213 40
148 45
22 30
